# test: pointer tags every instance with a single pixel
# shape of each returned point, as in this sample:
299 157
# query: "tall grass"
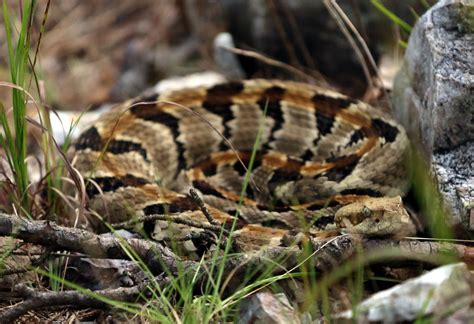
14 140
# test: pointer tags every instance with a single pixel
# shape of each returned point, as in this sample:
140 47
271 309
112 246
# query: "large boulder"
434 99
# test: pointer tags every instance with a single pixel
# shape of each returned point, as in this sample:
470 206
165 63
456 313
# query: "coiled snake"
311 148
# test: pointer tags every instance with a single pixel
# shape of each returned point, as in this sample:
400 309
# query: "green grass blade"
16 146
6 139
8 36
222 262
393 17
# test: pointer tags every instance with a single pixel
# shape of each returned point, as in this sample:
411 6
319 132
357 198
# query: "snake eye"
366 212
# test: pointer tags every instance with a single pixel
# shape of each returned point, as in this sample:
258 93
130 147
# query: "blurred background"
96 51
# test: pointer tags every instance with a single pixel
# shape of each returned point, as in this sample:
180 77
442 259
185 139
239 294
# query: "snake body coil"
315 148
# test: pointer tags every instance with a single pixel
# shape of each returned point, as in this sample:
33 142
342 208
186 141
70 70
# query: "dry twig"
156 256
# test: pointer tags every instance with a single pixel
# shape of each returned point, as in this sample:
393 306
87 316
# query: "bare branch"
156 256
172 219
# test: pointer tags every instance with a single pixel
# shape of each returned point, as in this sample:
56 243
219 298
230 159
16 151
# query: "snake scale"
312 149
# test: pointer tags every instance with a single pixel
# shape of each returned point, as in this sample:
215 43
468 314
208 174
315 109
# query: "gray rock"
437 295
454 173
434 99
226 60
266 307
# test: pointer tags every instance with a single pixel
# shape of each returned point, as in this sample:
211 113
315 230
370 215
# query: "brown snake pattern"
316 148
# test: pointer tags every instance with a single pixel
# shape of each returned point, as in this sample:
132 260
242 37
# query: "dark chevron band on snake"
317 148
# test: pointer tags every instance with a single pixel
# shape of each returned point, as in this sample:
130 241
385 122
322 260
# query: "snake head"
375 217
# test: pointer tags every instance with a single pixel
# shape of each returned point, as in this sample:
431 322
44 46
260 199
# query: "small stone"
226 60
266 307
189 246
437 294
